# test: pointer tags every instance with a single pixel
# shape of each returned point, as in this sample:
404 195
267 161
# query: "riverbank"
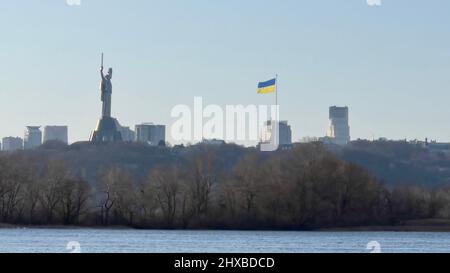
197 187
10 226
423 225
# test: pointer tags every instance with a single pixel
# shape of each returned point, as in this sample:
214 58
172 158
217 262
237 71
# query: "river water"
30 240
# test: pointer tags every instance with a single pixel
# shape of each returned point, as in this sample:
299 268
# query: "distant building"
309 139
284 136
285 133
33 137
339 130
150 133
433 145
59 133
11 144
128 135
214 141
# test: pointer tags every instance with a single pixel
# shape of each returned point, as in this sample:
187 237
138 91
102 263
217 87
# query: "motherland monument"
108 128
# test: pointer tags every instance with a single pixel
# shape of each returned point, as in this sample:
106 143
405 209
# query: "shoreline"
400 228
389 229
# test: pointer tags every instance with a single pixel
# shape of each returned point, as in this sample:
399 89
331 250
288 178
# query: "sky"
390 64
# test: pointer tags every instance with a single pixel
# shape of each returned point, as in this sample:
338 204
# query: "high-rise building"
339 130
150 133
59 133
11 144
284 133
33 137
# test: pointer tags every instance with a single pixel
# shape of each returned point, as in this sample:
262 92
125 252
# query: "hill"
400 162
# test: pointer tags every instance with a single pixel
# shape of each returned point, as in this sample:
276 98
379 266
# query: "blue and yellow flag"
267 87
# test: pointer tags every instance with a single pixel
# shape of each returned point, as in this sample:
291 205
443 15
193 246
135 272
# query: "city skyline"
388 64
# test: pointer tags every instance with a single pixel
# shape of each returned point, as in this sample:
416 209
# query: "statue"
106 89
108 128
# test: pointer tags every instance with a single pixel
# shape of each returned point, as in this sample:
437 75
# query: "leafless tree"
164 182
202 174
11 185
51 185
248 181
75 194
115 186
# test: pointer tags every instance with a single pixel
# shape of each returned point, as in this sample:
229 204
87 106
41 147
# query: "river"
37 240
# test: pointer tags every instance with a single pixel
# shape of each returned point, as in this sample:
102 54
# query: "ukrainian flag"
267 87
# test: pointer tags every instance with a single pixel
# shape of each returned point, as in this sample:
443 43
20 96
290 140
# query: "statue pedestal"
107 130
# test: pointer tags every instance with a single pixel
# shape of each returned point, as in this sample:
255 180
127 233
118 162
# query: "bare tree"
203 174
11 185
75 194
146 203
248 181
56 174
32 192
164 181
115 186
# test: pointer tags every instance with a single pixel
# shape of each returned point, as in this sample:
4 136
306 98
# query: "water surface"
175 241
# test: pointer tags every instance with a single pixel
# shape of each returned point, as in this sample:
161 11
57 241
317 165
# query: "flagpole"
276 89
276 93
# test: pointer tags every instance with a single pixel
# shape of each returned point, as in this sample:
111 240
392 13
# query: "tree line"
305 188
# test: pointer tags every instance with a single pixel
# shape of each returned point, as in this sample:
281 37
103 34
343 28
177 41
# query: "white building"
339 130
59 133
33 137
11 144
284 133
151 133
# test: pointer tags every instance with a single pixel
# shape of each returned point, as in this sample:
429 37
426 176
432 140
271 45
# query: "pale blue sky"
389 64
